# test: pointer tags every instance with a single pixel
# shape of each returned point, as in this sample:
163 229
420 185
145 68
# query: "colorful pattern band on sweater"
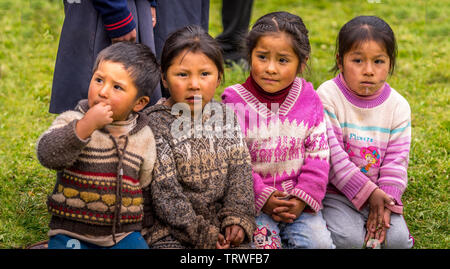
99 181
369 142
289 148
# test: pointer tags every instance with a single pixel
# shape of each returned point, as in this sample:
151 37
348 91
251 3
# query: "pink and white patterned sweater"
288 144
369 142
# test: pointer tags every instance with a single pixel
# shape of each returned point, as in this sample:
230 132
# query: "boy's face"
111 84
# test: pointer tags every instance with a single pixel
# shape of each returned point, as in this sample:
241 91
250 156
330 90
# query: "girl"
201 193
283 123
372 122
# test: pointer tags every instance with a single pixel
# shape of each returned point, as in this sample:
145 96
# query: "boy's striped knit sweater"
369 142
99 182
289 149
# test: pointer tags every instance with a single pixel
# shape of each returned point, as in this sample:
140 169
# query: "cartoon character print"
349 150
264 239
372 156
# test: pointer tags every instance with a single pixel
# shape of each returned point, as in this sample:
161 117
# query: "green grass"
28 45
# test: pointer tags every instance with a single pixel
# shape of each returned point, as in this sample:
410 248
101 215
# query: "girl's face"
191 78
370 159
365 68
274 64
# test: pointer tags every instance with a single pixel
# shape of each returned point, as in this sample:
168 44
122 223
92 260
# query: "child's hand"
386 221
380 233
289 214
377 202
131 36
99 115
274 202
95 118
153 11
234 234
222 243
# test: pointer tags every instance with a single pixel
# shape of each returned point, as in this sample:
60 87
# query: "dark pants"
235 20
172 15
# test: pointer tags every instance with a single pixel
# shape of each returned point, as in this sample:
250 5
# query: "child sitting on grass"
201 194
104 153
369 132
284 128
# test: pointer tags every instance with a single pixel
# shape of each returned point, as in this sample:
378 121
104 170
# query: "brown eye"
260 56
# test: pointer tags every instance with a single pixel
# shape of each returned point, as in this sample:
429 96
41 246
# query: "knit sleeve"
313 178
262 191
393 170
117 18
238 202
59 147
173 207
145 173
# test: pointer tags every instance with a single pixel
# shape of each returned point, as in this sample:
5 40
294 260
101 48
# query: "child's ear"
140 103
219 80
302 66
339 62
164 81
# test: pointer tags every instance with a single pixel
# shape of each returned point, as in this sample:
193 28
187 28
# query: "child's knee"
310 231
323 240
349 239
398 239
320 235
398 236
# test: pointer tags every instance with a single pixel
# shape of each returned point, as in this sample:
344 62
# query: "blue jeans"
307 231
132 241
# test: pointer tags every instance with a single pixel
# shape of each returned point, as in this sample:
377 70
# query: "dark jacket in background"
88 28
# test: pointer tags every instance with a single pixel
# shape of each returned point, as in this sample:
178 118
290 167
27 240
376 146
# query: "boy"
104 153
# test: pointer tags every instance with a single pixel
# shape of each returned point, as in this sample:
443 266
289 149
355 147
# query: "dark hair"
192 38
277 22
365 28
138 60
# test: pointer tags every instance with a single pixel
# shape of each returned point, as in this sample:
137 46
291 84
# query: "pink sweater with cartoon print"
288 144
369 142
